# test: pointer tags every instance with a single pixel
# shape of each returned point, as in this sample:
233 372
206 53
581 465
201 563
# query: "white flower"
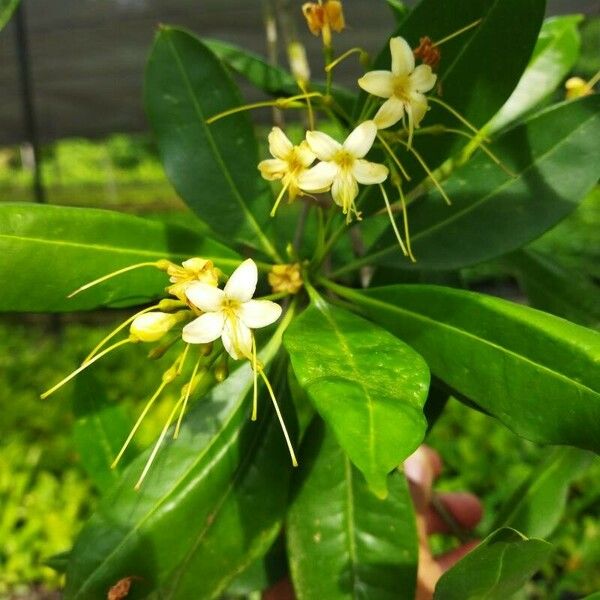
230 314
404 87
288 163
343 166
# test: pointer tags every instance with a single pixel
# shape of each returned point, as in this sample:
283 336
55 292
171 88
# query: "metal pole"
27 102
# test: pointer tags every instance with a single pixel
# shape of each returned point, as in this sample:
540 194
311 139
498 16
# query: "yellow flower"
191 270
404 87
289 162
322 18
343 166
286 278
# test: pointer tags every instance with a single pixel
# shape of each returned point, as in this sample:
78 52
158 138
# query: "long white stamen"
255 376
84 366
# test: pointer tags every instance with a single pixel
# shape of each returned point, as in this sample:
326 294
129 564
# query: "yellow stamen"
462 119
255 390
405 217
283 427
290 102
167 378
188 392
393 222
159 264
343 57
84 366
428 171
158 444
279 198
115 331
457 33
393 156
480 144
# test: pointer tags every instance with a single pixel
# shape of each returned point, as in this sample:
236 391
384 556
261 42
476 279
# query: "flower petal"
418 107
390 113
279 144
205 297
378 83
403 59
369 173
273 168
242 283
304 154
359 142
259 313
423 79
206 328
319 178
322 145
344 190
237 339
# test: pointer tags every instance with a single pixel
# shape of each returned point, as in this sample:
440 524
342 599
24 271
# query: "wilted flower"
428 52
321 18
343 166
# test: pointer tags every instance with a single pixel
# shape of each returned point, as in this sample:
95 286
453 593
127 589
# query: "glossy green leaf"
272 79
595 596
555 289
535 372
368 386
500 566
344 542
99 431
7 7
211 504
538 504
49 251
399 10
493 213
554 56
478 69
212 167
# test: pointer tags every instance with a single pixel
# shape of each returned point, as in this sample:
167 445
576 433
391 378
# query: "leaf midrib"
267 246
112 249
441 324
459 214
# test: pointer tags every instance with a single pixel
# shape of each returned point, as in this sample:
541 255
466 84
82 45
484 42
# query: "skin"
422 469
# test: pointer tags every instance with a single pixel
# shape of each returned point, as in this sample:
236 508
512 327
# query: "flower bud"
152 326
576 88
298 62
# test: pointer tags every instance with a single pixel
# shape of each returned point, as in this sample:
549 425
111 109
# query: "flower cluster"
341 168
199 313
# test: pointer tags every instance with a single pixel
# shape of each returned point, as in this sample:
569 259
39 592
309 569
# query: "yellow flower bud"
576 88
286 278
298 62
152 326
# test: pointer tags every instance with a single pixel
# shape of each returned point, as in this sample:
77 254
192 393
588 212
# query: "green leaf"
368 386
7 7
399 10
555 289
344 542
497 568
211 504
538 504
536 373
51 251
272 79
554 56
594 596
212 167
478 69
493 213
99 431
